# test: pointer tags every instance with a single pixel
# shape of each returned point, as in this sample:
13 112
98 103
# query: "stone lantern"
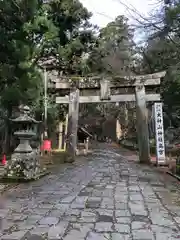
24 163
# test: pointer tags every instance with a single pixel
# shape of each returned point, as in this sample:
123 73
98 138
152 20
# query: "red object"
46 146
153 159
4 160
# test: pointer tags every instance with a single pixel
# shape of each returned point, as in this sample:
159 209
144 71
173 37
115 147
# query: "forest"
57 35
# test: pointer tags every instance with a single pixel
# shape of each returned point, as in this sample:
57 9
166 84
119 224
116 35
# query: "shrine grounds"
104 196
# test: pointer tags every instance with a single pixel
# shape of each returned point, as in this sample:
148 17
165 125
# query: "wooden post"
60 134
142 124
66 130
87 145
72 124
118 130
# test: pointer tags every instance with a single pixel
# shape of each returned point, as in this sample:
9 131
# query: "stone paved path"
102 197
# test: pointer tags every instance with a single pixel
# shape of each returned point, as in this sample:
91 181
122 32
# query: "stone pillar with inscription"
159 131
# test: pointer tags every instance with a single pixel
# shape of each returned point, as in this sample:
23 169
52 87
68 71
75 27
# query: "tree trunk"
7 133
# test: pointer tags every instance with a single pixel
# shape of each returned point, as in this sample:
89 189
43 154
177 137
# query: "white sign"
159 130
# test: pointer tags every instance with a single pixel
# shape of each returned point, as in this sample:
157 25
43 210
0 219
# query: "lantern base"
24 166
15 179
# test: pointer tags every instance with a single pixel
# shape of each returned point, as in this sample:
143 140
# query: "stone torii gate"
140 89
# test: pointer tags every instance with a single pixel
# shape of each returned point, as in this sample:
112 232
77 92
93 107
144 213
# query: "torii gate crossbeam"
139 83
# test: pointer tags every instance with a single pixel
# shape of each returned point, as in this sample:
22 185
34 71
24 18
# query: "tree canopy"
113 50
162 52
32 32
57 34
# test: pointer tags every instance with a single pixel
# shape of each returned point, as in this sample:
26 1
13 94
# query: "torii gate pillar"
142 124
72 124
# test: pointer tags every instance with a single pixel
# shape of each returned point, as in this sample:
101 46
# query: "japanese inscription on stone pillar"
159 129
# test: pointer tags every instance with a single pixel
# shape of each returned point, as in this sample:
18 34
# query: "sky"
105 11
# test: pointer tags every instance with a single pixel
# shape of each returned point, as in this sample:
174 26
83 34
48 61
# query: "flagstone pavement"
100 197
